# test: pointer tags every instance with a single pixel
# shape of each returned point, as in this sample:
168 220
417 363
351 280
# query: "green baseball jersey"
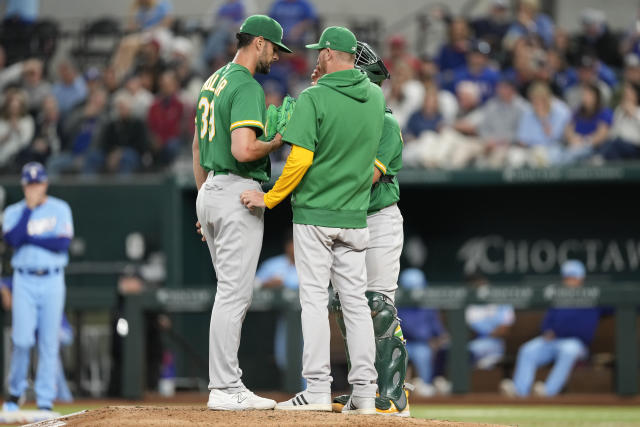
336 119
230 98
389 162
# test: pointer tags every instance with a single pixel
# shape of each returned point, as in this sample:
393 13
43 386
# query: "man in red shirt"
165 120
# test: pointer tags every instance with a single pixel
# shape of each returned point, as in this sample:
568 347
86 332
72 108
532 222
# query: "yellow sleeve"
298 162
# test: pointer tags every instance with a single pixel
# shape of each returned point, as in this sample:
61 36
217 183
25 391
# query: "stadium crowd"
507 88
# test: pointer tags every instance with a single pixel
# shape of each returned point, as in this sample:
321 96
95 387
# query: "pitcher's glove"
285 113
271 125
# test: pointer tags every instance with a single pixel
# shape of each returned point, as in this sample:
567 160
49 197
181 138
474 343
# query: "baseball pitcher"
228 159
334 132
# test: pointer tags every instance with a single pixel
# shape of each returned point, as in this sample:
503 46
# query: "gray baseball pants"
324 254
386 237
234 236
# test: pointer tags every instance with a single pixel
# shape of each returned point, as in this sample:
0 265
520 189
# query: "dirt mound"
163 416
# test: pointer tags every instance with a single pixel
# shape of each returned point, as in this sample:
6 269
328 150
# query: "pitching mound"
156 416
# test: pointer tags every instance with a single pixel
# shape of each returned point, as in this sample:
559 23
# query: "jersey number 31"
208 121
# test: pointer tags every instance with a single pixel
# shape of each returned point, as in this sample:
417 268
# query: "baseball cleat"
384 406
360 406
239 401
339 402
9 406
306 401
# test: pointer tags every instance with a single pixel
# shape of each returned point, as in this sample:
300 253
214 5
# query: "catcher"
383 256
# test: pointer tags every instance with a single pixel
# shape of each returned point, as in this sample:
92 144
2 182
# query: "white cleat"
239 401
306 401
360 406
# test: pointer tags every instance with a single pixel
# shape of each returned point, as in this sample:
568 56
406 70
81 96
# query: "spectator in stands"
165 120
94 80
398 52
123 141
540 130
530 23
140 97
591 72
566 336
404 93
589 127
528 65
625 132
279 272
80 132
150 61
454 54
492 27
47 141
477 70
28 75
596 39
436 30
36 88
632 68
71 88
491 323
496 123
426 338
227 20
16 128
430 76
297 17
563 76
110 80
442 145
149 14
426 119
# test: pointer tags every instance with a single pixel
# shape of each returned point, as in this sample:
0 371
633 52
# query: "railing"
624 298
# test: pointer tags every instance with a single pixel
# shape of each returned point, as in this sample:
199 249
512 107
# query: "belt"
383 178
233 173
38 272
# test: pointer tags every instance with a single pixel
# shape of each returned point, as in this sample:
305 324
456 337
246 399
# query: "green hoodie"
340 120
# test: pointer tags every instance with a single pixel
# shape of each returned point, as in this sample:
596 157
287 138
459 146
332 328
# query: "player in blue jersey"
40 229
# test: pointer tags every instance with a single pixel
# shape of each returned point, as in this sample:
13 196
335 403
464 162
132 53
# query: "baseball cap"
573 268
262 25
33 172
412 278
336 38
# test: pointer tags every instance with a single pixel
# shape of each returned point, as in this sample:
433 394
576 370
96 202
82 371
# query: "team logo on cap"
328 43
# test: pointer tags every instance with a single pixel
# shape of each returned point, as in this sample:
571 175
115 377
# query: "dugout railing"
623 298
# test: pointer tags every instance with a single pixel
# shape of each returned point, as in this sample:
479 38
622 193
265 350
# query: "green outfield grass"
533 416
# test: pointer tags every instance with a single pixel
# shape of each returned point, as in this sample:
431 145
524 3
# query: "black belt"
227 173
38 272
383 178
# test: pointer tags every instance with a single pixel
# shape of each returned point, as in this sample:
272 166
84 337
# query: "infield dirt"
164 416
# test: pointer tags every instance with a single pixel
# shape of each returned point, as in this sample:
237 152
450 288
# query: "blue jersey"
279 266
50 219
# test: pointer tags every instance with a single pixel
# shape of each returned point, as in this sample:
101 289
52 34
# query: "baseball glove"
271 125
285 113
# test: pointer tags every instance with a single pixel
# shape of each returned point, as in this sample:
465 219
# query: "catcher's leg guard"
391 354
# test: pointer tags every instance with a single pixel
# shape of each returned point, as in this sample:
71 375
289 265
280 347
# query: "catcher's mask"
369 62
